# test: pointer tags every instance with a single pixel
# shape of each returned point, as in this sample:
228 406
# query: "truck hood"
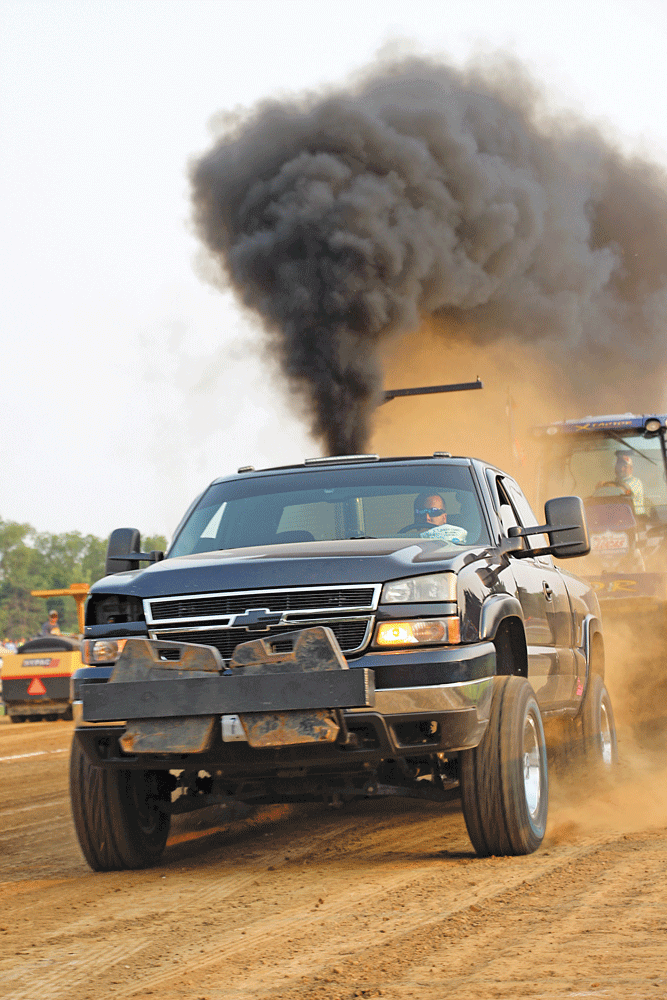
303 564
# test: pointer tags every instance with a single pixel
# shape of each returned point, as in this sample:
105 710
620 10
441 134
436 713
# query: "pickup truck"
351 627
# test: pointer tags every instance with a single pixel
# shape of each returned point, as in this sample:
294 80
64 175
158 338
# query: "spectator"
51 627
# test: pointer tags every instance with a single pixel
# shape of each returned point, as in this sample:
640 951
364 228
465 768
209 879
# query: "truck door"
546 605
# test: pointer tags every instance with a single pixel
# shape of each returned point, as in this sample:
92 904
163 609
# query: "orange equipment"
79 591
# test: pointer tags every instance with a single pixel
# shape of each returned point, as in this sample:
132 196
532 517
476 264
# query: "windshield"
437 502
598 465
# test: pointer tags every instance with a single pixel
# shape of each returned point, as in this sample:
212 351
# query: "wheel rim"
532 766
606 742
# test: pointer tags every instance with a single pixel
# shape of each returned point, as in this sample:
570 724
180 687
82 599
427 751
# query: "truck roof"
334 461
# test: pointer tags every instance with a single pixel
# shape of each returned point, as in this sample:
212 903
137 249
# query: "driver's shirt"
636 487
446 533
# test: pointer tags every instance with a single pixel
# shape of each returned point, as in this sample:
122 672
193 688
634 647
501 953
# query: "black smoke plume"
423 190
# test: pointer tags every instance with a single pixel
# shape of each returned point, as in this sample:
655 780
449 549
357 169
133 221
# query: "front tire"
120 817
504 780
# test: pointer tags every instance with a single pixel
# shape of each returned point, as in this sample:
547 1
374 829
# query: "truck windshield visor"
439 503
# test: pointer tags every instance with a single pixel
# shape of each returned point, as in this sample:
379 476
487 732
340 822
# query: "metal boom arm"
426 390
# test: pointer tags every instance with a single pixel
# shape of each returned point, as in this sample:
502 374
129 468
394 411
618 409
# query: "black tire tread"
105 826
480 776
489 790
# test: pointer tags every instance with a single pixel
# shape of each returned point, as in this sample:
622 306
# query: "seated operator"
624 477
431 520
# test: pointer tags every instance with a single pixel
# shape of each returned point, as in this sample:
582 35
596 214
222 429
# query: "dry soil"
376 899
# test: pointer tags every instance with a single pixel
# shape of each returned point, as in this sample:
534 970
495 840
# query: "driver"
624 477
431 515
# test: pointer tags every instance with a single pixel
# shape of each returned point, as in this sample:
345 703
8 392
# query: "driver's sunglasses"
433 511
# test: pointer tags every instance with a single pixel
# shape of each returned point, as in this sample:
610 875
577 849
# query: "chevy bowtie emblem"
257 618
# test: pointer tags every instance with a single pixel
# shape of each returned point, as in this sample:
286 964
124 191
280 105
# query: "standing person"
51 627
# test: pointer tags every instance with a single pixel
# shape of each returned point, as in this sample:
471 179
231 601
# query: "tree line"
32 560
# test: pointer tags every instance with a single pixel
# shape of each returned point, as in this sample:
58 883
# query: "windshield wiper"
627 444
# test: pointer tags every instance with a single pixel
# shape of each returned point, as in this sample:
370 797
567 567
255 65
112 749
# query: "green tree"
154 542
21 570
41 561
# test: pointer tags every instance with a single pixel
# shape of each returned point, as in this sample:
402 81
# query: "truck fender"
590 627
494 610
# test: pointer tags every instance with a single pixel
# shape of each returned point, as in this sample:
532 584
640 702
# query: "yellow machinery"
35 680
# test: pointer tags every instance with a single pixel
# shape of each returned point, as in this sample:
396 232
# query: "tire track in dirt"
574 930
389 894
491 940
52 984
352 914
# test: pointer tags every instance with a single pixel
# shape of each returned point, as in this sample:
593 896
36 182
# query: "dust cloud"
634 797
521 390
419 191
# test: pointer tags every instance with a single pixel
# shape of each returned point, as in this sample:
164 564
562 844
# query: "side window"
525 514
507 511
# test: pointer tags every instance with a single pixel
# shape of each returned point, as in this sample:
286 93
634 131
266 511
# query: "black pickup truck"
347 628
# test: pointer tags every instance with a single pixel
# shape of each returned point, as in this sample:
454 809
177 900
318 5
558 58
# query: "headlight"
102 650
109 609
418 632
421 589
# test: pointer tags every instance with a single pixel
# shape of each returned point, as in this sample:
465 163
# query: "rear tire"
504 780
17 718
598 728
120 817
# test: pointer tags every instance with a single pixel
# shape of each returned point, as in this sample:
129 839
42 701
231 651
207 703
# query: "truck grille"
352 635
210 619
311 599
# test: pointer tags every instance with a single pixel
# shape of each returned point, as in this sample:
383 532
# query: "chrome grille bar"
352 633
288 600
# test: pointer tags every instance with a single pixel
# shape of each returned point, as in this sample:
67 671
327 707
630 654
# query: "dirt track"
378 899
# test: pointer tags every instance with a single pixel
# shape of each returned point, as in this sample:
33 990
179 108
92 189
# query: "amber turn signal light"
417 632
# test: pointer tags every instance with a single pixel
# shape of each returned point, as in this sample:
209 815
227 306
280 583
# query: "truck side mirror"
566 527
123 542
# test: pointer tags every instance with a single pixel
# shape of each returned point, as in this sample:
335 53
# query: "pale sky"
128 385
